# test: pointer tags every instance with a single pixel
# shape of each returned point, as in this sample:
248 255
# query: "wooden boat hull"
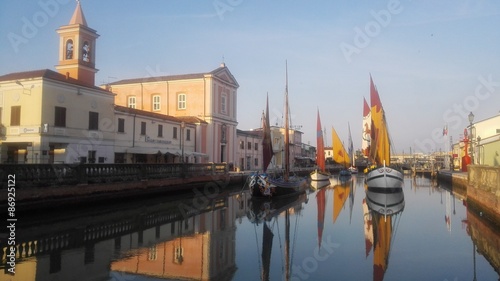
261 185
385 178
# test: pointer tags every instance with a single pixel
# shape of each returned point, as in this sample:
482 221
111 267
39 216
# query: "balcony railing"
42 175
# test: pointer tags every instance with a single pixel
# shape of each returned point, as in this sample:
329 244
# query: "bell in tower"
77 49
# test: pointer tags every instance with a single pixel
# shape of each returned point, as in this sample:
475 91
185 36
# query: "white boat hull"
320 176
385 178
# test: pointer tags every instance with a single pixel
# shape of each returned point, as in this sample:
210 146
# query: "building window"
131 102
69 49
175 133
181 101
156 102
93 120
160 130
143 128
223 104
256 162
249 145
121 125
60 117
242 145
188 134
256 146
15 115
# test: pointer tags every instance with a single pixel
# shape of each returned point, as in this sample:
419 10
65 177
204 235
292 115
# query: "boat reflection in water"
266 212
383 213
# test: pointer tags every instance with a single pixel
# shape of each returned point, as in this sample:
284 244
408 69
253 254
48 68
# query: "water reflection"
185 239
265 211
384 213
215 238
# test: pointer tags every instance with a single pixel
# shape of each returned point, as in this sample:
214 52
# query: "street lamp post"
471 119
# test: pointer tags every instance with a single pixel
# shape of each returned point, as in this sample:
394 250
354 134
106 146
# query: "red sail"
320 154
267 147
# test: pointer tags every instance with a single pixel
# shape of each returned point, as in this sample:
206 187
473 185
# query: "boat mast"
287 137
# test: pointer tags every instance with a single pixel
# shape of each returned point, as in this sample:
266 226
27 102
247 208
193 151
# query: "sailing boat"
385 208
320 177
262 185
264 211
383 176
340 156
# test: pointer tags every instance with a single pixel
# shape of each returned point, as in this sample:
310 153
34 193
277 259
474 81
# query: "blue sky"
432 61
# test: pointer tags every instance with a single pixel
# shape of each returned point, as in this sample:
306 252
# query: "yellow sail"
339 153
380 145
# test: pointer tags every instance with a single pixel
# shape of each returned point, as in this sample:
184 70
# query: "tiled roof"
165 78
49 74
78 17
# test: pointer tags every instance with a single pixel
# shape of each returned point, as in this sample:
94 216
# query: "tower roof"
78 17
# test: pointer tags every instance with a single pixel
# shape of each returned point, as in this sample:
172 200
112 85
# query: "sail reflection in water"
232 236
266 212
384 212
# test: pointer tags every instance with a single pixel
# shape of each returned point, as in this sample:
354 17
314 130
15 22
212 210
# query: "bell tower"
77 48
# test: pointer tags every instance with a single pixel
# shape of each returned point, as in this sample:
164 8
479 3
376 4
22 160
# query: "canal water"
332 233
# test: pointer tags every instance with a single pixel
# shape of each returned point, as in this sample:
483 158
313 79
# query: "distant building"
485 140
147 137
249 150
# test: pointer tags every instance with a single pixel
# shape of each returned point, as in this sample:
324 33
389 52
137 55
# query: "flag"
445 130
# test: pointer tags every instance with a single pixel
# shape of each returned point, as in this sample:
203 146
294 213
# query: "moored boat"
262 184
320 174
384 175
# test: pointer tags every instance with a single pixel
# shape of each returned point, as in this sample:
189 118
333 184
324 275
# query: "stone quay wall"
483 190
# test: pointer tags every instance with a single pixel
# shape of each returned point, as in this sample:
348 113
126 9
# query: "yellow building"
58 117
62 117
